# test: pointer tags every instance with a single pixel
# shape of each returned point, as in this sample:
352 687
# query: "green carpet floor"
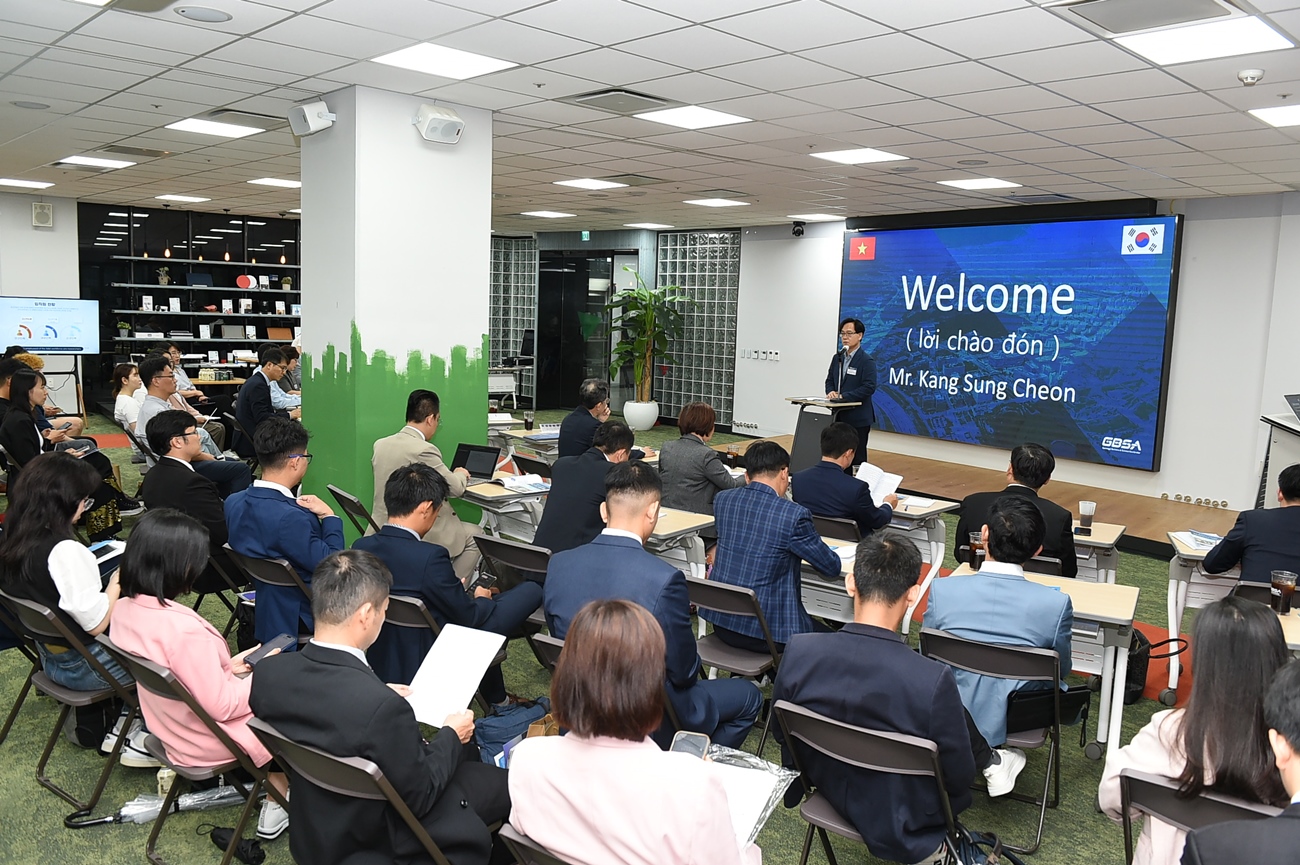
31 828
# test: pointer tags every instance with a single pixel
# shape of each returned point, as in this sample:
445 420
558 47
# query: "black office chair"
530 466
273 572
527 851
838 528
523 558
409 612
1260 593
1158 796
356 511
28 648
238 427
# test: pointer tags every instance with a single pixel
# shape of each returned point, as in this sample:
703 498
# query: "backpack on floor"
491 733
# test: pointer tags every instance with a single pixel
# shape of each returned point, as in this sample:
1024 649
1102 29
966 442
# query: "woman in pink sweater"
166 553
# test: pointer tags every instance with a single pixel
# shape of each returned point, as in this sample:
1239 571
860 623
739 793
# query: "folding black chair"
523 558
272 572
38 623
527 851
141 445
873 750
531 466
408 612
356 511
1158 796
1260 593
158 680
738 601
1048 566
238 427
838 528
235 586
1012 662
28 648
346 776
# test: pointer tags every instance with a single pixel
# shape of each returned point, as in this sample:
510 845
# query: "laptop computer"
1293 400
479 460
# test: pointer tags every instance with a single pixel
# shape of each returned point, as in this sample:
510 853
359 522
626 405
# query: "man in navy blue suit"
267 521
827 491
571 517
1266 539
616 565
866 675
412 495
253 405
852 378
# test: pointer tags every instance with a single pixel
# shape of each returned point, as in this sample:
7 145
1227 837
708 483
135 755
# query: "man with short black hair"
763 540
253 406
998 605
327 697
616 565
579 426
414 496
1263 540
852 378
281 399
866 675
413 443
571 517
159 379
267 521
827 491
1028 472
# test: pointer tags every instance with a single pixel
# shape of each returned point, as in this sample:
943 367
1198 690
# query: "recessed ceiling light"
815 217
1206 41
288 241
692 117
203 14
251 222
31 106
275 181
590 183
296 210
649 225
228 230
25 184
547 214
120 213
1283 115
208 237
858 156
105 244
717 202
95 162
211 127
112 232
185 199
972 162
980 183
446 62
115 225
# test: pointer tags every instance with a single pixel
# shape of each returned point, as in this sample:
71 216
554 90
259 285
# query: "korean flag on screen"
1142 240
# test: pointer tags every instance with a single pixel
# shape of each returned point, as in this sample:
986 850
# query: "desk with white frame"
1101 563
924 527
507 513
676 539
1190 586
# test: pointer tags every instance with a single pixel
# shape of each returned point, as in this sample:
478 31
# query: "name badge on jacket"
852 370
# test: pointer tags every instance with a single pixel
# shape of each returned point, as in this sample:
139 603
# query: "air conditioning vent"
1120 17
620 101
123 150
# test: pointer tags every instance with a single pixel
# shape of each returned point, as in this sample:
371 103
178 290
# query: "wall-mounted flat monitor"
1056 332
50 325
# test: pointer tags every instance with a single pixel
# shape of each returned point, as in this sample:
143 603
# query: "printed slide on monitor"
1053 332
51 325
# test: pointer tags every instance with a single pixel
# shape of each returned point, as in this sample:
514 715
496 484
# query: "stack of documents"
882 483
1197 540
525 483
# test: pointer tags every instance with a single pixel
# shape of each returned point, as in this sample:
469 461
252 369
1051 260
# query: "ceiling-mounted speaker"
439 124
42 214
310 118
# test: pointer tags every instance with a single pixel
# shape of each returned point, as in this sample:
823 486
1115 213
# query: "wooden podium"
807 448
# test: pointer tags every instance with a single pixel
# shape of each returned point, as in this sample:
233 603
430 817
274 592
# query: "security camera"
310 117
1250 77
797 230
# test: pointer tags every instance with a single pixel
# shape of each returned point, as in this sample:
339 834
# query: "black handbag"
1140 654
982 848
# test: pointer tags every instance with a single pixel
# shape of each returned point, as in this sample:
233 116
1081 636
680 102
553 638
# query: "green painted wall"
351 399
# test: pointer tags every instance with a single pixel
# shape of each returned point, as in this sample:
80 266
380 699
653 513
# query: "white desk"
676 539
506 513
1190 586
1101 563
926 529
547 449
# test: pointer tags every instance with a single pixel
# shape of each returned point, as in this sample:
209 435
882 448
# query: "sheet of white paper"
882 483
748 792
846 552
915 502
1194 541
450 673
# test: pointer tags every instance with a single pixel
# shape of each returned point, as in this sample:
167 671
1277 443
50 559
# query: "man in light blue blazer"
267 521
998 605
616 565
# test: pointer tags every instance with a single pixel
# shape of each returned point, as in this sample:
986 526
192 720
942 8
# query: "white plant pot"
641 415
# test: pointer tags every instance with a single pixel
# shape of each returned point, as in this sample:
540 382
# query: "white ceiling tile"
854 93
1021 98
600 22
243 72
320 34
134 29
68 73
180 91
534 81
881 55
695 88
55 16
1057 118
1138 148
414 19
1215 142
1068 61
939 81
1120 86
1181 127
554 113
10 61
970 127
478 96
916 111
780 72
761 106
1010 142
755 132
612 67
697 47
800 25
827 123
285 58
625 127
1010 32
21 86
906 16
1109 132
1157 107
693 10
517 43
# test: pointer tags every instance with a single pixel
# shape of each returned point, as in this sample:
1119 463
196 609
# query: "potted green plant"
650 319
124 329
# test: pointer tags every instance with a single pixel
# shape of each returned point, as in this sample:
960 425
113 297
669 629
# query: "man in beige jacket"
413 444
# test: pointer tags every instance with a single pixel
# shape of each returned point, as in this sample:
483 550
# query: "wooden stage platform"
1148 519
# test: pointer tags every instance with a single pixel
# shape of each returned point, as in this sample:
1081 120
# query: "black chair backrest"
141 443
1158 796
273 572
838 528
1046 565
531 466
736 600
548 649
1260 593
875 750
346 776
408 612
527 851
356 511
523 557
988 659
38 623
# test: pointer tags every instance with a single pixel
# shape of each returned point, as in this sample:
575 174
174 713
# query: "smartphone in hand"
483 581
281 642
695 744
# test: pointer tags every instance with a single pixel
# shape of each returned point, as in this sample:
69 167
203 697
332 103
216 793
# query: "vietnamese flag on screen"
862 249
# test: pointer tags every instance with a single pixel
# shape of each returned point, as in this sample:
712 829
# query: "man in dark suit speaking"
1266 539
327 697
616 565
1263 842
571 517
852 378
1030 469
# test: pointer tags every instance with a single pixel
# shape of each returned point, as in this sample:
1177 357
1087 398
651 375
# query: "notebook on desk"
479 460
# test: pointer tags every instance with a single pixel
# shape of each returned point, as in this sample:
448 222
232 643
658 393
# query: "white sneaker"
134 754
1001 777
110 738
273 820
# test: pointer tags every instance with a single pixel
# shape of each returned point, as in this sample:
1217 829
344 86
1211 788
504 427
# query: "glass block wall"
707 265
514 301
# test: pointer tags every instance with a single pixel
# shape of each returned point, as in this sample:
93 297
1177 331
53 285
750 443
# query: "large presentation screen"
1052 332
50 325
